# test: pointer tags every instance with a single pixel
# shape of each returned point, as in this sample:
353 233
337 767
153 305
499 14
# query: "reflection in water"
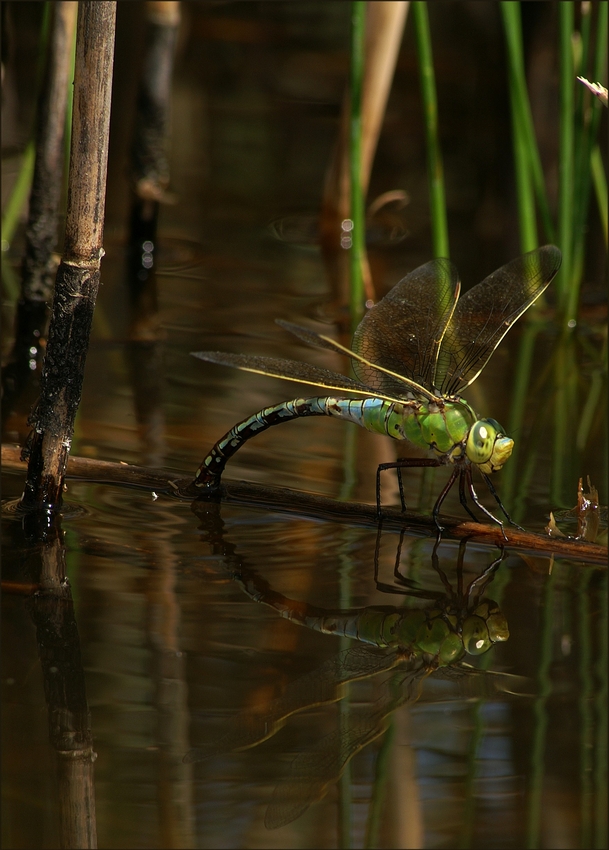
421 641
52 612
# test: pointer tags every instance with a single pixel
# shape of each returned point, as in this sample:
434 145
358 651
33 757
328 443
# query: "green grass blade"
540 715
586 708
567 304
381 777
521 114
524 365
586 128
599 181
21 189
524 187
600 706
358 233
430 105
19 195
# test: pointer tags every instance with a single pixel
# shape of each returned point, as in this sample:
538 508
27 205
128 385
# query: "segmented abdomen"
374 414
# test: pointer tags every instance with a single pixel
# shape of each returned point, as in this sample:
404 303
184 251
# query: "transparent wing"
290 370
378 374
403 332
315 769
485 314
322 685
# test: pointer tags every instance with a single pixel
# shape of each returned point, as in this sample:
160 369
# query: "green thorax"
439 425
420 631
435 632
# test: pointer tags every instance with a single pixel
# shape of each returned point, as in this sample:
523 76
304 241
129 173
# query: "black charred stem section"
70 733
31 322
61 383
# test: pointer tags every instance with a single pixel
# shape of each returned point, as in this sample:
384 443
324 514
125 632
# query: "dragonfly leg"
478 503
401 463
436 508
381 585
401 579
480 583
401 488
489 484
435 562
463 498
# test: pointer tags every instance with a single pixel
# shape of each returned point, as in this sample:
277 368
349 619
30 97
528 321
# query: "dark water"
171 646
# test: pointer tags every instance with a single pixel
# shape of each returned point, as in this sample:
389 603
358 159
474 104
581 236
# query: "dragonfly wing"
248 728
485 314
403 332
393 382
313 770
289 370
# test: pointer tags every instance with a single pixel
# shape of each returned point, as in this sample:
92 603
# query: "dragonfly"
413 643
413 354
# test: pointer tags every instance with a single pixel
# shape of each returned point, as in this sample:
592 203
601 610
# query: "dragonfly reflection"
430 640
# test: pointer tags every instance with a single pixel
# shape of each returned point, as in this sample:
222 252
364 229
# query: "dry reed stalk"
385 22
78 274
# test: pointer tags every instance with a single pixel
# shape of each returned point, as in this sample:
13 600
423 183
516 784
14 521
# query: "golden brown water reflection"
170 646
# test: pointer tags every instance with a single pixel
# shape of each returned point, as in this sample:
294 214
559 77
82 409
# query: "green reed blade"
522 117
590 407
599 181
358 232
430 105
563 279
540 714
18 197
586 130
524 188
586 709
524 366
565 401
600 706
10 282
381 776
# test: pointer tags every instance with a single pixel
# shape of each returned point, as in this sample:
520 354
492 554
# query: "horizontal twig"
296 501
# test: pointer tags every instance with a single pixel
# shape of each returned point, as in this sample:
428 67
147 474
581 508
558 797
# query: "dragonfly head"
483 628
487 446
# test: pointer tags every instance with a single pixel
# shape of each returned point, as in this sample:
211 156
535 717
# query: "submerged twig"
384 27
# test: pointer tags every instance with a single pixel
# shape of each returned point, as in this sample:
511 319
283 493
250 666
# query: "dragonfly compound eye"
487 446
497 626
476 639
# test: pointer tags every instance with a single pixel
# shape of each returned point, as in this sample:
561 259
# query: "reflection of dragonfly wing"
290 370
478 683
251 727
314 770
